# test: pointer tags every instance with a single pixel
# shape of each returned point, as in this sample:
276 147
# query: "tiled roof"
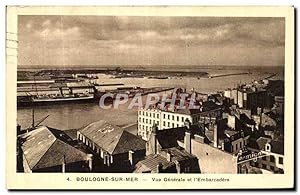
42 149
150 163
111 138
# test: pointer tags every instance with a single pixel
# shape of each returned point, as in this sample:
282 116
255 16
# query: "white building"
166 119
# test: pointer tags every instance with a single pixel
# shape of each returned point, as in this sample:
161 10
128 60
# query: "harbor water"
72 116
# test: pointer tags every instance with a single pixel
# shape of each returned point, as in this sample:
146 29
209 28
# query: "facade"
118 149
165 119
273 154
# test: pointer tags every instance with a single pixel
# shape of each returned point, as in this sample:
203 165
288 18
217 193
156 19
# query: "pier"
226 75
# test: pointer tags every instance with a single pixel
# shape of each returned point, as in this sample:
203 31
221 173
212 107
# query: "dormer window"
268 147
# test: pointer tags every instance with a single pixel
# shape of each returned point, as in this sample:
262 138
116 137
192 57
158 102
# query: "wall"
26 166
213 160
164 120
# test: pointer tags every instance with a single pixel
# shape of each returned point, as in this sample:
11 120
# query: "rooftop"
43 149
111 138
150 163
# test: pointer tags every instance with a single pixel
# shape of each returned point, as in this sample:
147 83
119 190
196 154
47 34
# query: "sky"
139 40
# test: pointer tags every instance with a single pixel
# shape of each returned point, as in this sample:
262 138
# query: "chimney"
177 166
187 141
215 129
152 143
169 157
63 168
159 168
223 146
90 160
131 157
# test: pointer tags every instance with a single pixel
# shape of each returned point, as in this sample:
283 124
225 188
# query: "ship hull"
45 102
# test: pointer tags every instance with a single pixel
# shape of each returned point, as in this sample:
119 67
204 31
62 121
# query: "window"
240 144
173 125
164 124
149 121
280 160
168 116
177 118
150 114
157 115
168 124
164 115
157 122
146 121
172 117
177 125
139 119
272 158
146 113
182 119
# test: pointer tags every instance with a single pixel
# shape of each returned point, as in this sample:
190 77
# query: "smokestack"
187 141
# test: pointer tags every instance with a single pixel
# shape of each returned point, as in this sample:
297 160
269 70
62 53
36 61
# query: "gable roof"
42 149
128 142
58 153
150 163
111 138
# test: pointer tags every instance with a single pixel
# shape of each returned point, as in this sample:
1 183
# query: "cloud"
161 40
